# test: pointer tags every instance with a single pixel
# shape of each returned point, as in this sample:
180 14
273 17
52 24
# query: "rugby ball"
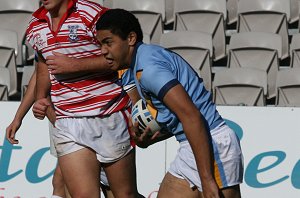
141 114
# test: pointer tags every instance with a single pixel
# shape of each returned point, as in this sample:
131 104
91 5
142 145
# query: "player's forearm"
42 81
196 134
28 99
134 95
96 64
50 113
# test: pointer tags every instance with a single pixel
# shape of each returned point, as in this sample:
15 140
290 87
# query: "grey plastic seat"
295 51
205 16
4 83
256 50
265 16
9 39
169 5
146 38
17 21
14 16
195 48
22 5
232 6
8 61
288 87
8 52
294 11
240 86
26 76
150 13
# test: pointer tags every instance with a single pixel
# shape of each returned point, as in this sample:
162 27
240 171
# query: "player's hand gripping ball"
142 115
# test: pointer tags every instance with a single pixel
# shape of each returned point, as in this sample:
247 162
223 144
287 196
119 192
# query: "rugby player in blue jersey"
209 162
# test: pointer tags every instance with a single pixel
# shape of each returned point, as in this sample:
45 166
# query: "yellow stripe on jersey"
150 105
139 75
121 72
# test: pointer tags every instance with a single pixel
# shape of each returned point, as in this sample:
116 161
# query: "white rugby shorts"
228 160
108 136
52 148
103 178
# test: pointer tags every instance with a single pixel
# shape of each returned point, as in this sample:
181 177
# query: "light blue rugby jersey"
127 80
156 71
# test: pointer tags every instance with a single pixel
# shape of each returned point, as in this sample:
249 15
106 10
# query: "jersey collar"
41 13
134 55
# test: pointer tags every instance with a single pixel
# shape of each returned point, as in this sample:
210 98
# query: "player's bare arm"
42 89
62 64
24 107
134 95
180 103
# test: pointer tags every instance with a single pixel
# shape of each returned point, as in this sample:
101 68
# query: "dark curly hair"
120 22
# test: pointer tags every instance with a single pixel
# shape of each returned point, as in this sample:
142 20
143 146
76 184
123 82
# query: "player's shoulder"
150 52
34 20
89 7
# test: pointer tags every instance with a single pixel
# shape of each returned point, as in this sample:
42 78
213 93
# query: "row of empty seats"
210 16
231 86
198 34
258 50
230 7
248 86
252 75
194 15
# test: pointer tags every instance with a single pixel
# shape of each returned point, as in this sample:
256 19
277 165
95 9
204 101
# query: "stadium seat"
288 87
240 86
146 38
4 83
21 5
169 5
195 48
26 76
232 6
17 21
265 16
295 51
8 60
205 16
294 11
14 16
9 39
8 52
150 13
256 50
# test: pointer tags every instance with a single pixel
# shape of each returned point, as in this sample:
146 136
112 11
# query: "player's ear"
132 38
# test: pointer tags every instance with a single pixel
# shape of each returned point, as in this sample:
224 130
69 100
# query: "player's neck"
58 12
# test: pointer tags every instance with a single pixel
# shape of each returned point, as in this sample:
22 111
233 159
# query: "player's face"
115 50
53 4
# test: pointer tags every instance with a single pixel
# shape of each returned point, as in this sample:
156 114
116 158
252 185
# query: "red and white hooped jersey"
86 94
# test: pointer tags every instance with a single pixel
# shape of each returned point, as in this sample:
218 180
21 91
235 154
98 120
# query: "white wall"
269 141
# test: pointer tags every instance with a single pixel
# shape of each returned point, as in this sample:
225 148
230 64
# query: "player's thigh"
174 187
81 172
122 176
231 192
